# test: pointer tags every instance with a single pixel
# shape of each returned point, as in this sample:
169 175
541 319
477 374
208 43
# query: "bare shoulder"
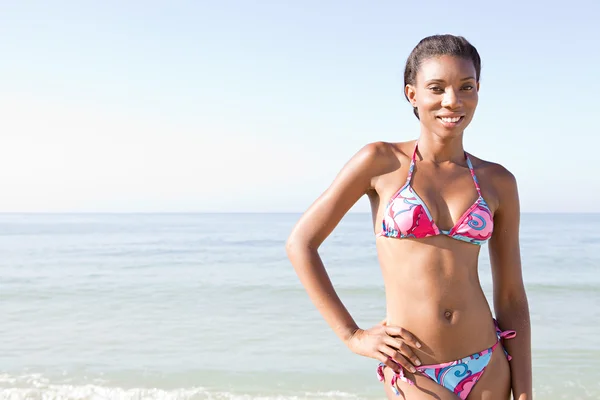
374 152
380 152
356 178
379 158
390 152
498 184
493 172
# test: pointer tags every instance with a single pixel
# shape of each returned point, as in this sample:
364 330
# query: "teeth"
455 119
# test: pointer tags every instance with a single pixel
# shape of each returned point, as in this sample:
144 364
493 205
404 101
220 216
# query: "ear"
478 86
411 93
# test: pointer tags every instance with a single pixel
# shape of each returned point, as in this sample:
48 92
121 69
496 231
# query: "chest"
446 194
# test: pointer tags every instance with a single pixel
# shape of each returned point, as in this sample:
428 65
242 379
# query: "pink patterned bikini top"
407 216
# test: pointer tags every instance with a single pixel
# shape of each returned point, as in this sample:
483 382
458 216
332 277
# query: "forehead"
447 68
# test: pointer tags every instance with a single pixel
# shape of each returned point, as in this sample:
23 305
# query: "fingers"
388 363
408 337
399 358
403 348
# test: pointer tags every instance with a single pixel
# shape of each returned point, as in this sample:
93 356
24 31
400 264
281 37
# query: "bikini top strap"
473 173
412 162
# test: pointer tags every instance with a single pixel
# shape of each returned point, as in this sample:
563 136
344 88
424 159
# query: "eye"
436 89
468 87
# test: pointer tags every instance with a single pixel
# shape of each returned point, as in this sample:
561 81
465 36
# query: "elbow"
291 246
513 302
517 296
295 245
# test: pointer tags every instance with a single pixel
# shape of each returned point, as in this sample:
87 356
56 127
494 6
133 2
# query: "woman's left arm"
510 300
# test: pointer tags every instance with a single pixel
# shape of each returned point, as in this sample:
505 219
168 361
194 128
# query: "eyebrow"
441 80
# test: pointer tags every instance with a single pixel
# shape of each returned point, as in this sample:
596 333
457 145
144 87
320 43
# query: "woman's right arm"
355 179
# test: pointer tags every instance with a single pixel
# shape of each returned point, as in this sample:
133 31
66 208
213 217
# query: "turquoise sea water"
207 306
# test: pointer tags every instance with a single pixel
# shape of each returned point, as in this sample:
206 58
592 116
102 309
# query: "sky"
240 106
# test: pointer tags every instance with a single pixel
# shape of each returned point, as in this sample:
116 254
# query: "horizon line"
239 212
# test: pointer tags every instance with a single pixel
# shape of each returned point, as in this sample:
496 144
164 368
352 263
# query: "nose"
450 99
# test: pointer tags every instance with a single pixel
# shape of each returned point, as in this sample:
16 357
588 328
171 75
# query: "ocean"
207 306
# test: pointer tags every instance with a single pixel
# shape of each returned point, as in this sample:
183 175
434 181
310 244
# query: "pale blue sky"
255 106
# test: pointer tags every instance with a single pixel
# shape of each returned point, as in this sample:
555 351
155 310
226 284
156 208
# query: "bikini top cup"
407 216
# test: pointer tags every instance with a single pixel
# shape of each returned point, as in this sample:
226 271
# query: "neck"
441 150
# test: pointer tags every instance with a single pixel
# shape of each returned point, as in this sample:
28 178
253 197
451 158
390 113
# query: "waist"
432 289
449 328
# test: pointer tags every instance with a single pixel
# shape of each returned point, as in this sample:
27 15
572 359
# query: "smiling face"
445 94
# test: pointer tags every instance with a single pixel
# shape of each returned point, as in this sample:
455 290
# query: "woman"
433 207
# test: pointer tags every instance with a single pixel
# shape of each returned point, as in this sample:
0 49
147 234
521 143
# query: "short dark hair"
435 46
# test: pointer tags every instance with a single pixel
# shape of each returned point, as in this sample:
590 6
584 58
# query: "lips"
451 118
451 121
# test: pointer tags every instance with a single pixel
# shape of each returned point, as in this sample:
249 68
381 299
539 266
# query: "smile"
451 121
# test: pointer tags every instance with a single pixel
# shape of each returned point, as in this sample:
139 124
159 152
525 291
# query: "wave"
37 387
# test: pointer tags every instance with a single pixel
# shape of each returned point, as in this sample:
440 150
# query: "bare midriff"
433 291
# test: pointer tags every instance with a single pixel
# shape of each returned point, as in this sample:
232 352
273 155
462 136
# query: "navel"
448 314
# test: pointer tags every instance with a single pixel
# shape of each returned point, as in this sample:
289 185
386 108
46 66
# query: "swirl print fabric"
459 376
407 216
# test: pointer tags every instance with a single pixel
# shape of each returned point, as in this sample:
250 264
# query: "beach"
207 306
